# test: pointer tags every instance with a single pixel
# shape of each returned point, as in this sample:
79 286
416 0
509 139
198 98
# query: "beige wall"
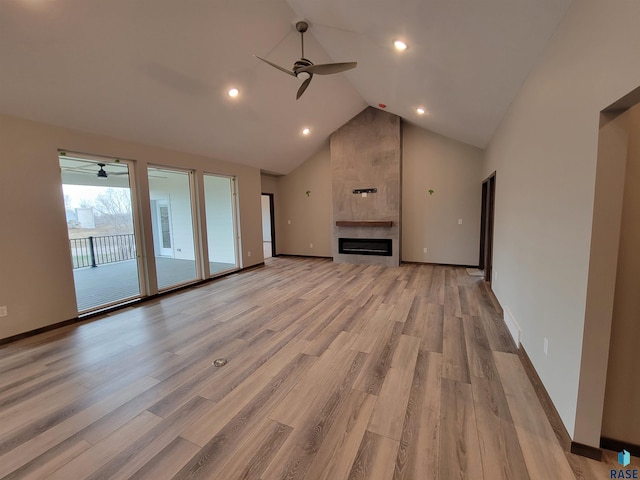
545 154
621 420
453 170
310 216
36 281
269 183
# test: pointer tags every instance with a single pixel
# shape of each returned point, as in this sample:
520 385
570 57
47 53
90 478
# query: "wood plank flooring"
334 372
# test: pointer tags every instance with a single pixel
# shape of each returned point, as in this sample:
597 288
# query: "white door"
165 240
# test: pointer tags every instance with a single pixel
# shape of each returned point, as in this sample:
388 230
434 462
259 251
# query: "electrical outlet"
424 250
459 221
3 311
249 253
289 222
546 346
311 245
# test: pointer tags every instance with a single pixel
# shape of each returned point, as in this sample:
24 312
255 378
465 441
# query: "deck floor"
113 282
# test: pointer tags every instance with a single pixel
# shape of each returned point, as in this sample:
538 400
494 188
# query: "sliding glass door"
102 231
220 211
171 196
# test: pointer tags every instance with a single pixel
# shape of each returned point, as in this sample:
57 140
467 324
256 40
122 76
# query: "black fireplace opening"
365 246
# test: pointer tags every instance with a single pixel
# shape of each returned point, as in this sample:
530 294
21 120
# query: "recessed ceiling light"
306 131
233 92
400 45
420 111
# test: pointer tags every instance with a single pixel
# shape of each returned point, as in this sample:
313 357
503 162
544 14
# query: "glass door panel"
102 232
221 223
172 225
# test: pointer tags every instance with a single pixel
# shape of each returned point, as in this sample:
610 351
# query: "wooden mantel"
364 224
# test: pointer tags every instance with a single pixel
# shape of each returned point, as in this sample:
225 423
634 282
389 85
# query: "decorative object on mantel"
357 191
430 192
308 193
345 223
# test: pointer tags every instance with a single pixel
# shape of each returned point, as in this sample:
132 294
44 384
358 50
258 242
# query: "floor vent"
219 362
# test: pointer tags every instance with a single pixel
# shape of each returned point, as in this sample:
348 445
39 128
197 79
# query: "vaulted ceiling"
158 71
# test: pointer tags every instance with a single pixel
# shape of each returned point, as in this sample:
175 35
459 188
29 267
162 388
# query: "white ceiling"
157 71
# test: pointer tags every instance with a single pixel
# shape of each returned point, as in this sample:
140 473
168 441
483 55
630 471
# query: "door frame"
485 261
143 285
272 219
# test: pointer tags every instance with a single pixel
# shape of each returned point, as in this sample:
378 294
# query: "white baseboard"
512 325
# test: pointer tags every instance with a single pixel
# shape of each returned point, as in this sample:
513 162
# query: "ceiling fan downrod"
302 27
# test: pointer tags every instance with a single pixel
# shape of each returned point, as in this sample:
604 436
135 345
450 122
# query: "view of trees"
111 209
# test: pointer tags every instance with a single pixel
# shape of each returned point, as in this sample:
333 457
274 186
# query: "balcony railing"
94 251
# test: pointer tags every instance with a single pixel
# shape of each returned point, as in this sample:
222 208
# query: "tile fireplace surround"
366 154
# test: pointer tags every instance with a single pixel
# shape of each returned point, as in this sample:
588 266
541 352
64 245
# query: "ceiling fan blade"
328 68
303 87
282 69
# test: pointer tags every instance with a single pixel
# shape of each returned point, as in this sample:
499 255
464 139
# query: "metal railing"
94 251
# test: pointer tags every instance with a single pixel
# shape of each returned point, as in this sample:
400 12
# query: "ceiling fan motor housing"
102 172
303 62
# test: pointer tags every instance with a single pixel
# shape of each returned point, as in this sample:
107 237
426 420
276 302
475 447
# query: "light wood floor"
334 372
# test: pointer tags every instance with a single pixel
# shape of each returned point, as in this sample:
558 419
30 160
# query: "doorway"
103 230
163 240
485 262
621 420
268 226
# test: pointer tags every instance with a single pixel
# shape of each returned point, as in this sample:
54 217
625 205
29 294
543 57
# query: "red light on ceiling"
382 105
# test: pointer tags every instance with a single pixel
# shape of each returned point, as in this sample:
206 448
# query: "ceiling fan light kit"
304 69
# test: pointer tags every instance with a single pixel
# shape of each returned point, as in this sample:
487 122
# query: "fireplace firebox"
366 246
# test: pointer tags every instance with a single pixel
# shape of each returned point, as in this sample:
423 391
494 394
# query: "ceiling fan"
102 173
304 68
